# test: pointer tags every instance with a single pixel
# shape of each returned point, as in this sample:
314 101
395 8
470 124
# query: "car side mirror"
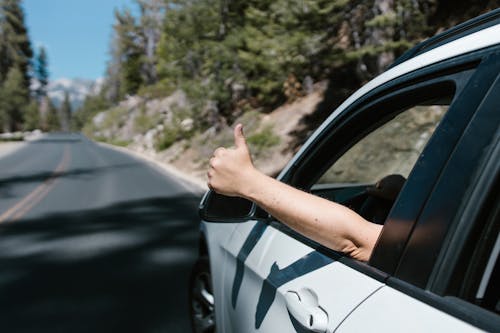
215 207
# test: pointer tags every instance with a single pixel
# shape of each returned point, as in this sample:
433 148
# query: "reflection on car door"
273 290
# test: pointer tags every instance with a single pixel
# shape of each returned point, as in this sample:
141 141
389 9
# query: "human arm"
335 226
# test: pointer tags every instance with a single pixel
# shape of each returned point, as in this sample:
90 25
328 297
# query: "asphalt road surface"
92 240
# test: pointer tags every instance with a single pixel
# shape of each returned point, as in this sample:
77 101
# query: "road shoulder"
191 183
7 148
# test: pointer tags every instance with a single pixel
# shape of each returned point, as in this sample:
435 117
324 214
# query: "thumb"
239 138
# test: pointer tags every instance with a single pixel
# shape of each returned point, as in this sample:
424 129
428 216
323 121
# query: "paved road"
92 240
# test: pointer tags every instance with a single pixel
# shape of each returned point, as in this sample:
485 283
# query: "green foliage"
15 46
13 138
14 100
263 139
110 119
158 90
41 72
114 117
243 54
32 116
144 122
383 20
167 138
175 131
65 112
129 52
91 106
15 63
114 142
53 120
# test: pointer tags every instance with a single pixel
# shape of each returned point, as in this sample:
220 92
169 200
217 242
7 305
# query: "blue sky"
75 33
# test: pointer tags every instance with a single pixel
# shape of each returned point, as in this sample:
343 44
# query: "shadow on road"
39 177
122 268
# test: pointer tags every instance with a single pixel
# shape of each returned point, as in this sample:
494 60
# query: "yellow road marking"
32 199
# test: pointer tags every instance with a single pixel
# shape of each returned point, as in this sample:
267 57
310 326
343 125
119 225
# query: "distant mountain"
77 89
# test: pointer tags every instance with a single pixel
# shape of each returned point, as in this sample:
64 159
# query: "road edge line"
186 181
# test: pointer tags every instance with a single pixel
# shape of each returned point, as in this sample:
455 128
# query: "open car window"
393 148
369 175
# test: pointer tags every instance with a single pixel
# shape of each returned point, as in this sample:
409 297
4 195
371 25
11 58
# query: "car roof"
437 49
466 28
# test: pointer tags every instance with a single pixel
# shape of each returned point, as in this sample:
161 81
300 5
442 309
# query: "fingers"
239 138
219 152
209 181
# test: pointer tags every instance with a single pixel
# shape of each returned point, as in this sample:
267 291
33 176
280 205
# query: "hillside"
141 125
184 72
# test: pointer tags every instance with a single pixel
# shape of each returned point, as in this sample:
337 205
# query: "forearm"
232 173
326 222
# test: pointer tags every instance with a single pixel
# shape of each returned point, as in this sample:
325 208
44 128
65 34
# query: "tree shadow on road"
39 177
122 268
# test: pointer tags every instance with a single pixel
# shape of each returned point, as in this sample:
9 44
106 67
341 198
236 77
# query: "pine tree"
41 72
15 48
129 53
91 106
65 112
53 120
32 116
151 20
14 100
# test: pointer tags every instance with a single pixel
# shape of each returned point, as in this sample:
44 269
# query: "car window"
375 168
477 273
390 149
382 155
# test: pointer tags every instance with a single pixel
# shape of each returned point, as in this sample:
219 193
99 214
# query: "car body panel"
216 235
389 310
260 305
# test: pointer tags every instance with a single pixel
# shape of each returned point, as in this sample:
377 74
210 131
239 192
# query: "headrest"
388 187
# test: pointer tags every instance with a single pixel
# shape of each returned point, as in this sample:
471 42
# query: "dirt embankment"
140 125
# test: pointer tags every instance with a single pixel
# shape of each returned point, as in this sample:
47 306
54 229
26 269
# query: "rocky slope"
145 126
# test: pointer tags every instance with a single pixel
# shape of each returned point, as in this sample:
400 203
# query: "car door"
278 280
448 279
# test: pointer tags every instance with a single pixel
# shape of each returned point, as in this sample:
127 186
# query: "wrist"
254 184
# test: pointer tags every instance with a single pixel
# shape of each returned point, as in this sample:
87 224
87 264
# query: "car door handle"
304 307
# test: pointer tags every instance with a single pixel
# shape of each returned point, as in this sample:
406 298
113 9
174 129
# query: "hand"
231 169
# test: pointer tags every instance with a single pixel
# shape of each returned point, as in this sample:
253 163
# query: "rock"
99 119
149 138
187 124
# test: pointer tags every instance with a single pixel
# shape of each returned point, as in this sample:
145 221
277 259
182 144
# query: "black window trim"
440 78
463 62
456 238
450 66
418 262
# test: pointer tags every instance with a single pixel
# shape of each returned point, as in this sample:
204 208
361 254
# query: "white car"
416 149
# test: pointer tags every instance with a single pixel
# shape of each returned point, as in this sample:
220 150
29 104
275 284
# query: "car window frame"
398 229
417 264
451 66
435 289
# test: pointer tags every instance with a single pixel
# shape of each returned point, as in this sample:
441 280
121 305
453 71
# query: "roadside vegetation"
182 71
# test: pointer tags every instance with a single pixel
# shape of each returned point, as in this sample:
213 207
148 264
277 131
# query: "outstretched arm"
335 226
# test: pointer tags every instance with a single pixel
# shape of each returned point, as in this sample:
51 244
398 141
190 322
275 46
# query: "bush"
113 141
158 90
263 139
144 122
167 138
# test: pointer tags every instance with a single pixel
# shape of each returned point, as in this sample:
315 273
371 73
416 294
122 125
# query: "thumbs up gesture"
231 169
